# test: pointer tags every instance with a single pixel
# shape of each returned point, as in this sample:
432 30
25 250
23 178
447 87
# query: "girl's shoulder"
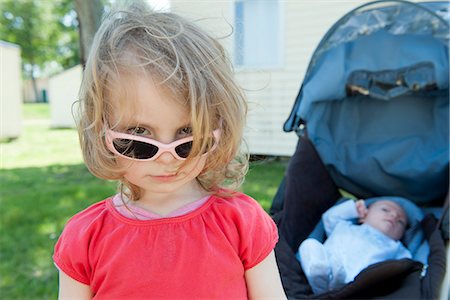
247 227
91 216
76 239
240 208
236 202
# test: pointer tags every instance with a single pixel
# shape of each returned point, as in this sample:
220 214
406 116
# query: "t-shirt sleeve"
259 234
71 252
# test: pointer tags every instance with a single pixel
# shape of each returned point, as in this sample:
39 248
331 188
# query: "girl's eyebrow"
137 124
153 128
185 125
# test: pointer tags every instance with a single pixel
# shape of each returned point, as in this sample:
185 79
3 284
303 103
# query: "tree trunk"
89 13
37 96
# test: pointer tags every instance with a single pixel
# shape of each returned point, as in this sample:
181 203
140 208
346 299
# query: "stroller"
372 118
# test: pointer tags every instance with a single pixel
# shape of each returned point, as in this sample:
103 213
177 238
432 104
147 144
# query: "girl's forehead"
139 99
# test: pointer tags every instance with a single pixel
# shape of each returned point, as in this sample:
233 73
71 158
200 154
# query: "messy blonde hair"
187 62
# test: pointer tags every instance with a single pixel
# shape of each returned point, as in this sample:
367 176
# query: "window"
257 39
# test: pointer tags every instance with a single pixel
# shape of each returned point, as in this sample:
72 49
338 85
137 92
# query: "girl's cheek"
196 165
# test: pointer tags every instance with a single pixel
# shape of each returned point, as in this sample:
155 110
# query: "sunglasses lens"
184 149
135 149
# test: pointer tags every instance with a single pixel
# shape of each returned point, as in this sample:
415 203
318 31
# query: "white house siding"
10 91
63 92
271 92
213 16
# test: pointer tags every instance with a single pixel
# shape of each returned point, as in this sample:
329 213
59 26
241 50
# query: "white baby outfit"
348 250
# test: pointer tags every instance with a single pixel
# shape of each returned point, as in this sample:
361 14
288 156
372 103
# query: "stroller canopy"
375 100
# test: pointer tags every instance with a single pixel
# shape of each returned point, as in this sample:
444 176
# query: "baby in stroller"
351 247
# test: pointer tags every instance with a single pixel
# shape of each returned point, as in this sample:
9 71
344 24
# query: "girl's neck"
165 203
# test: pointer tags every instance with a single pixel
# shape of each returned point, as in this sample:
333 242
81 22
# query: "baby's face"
388 217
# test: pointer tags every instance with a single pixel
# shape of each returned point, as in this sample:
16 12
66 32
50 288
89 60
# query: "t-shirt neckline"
164 219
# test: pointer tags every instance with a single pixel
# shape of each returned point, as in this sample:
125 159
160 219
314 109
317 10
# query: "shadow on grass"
35 203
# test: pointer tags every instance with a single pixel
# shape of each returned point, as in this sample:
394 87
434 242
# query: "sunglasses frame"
111 135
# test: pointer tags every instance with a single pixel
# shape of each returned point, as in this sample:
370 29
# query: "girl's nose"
166 157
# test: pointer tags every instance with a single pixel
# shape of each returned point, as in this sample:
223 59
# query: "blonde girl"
161 113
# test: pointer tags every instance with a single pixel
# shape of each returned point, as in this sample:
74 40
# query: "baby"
350 247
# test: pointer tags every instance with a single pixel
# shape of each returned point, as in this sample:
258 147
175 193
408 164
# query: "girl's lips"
164 178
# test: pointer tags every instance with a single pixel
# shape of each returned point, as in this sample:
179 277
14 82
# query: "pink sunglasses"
145 149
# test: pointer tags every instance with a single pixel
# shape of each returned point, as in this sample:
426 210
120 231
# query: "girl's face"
388 217
154 113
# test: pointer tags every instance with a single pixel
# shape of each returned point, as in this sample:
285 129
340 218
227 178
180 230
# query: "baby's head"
388 217
180 60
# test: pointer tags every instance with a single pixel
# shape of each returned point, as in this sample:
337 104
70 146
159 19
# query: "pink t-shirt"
199 255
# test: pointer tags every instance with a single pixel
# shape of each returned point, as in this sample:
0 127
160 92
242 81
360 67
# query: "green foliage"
46 31
66 34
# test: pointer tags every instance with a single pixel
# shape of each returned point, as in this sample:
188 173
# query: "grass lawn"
43 182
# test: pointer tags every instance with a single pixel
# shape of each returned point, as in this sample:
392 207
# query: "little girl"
161 113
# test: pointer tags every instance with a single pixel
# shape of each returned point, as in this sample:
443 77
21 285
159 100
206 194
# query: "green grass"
43 182
35 204
36 111
263 179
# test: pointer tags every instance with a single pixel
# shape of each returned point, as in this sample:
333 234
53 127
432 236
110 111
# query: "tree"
44 33
89 17
67 37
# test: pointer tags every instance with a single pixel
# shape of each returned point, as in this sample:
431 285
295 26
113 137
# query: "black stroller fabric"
323 165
